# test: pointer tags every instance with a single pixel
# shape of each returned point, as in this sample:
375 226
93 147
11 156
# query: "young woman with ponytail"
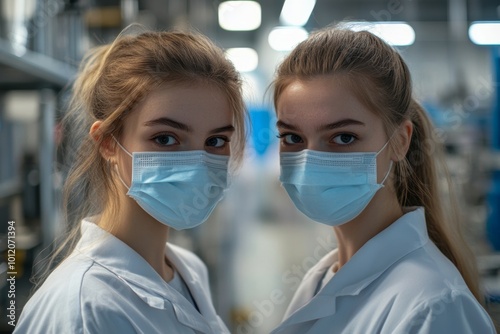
156 117
358 153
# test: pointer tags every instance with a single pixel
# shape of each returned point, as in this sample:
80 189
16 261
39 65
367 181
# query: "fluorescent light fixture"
296 12
394 33
240 15
286 38
244 59
485 33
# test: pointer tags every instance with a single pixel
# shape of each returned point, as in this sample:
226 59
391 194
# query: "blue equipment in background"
493 223
261 133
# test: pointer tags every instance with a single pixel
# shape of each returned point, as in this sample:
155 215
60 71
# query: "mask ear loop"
116 166
121 180
123 148
390 164
383 147
387 175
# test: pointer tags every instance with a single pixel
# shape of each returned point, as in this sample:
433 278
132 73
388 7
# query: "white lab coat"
106 287
398 282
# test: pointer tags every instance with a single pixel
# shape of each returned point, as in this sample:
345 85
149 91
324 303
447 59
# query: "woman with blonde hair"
163 113
357 153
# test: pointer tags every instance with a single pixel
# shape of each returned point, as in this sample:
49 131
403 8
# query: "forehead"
319 100
190 103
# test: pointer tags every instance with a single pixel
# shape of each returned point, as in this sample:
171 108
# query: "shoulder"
79 296
453 311
60 297
433 296
426 271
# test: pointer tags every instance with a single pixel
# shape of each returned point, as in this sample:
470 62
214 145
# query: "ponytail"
80 164
417 184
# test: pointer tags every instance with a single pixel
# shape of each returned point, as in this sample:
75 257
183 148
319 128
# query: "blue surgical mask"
331 188
179 189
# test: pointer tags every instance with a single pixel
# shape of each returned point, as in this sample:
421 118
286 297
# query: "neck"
141 232
381 212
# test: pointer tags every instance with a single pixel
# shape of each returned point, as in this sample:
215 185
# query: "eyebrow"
330 126
169 122
184 127
340 124
227 128
283 125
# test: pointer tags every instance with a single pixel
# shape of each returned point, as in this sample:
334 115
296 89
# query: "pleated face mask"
179 189
331 188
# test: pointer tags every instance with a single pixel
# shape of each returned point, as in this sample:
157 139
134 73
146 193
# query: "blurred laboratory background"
256 245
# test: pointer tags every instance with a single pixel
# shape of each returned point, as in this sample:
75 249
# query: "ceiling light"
485 33
296 12
394 33
240 15
286 38
244 59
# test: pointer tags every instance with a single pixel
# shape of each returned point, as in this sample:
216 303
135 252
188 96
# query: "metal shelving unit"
34 71
31 70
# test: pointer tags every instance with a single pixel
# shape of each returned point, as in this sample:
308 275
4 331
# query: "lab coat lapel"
308 286
200 295
306 305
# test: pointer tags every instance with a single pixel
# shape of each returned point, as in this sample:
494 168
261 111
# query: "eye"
344 139
290 138
216 142
165 140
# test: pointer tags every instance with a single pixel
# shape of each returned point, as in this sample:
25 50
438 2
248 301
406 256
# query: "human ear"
107 147
403 139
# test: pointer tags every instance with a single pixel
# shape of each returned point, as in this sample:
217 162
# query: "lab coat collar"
404 236
192 278
117 257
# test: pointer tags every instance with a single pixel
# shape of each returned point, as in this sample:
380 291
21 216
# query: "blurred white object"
485 33
296 12
244 59
394 33
240 15
286 38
